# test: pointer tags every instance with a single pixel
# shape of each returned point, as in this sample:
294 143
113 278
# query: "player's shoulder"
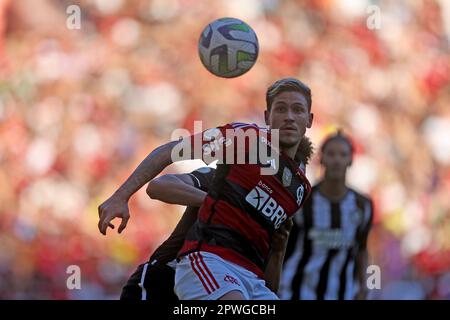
204 170
202 177
363 198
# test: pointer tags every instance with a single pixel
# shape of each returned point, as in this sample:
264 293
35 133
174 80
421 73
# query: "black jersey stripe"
307 247
343 276
335 213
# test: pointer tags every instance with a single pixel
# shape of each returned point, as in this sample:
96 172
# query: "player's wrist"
278 250
121 195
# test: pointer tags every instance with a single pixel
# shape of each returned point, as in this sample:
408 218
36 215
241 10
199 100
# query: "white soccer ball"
228 47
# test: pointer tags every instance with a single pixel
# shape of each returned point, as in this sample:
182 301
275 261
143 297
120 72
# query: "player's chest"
282 192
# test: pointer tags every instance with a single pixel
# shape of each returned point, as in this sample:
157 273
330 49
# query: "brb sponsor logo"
231 279
264 203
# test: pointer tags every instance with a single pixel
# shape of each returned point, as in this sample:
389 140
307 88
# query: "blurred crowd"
80 108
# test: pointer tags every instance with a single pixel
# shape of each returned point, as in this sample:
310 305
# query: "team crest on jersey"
287 177
300 193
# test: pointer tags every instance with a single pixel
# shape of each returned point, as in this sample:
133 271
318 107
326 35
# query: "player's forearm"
174 191
149 168
272 273
275 263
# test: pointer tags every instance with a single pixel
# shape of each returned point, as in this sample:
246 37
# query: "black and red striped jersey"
244 206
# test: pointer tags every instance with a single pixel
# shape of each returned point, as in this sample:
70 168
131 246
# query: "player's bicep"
167 181
184 178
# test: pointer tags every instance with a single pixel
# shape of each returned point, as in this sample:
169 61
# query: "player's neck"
290 151
333 189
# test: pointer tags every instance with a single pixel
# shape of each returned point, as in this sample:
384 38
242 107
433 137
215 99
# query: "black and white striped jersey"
323 246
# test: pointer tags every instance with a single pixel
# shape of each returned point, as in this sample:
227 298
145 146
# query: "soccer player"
326 257
154 280
226 251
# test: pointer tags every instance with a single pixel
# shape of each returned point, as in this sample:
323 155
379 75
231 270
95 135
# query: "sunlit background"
79 109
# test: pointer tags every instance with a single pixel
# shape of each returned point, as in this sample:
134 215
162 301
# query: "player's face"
289 114
336 158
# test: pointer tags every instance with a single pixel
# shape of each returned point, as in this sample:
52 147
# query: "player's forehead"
337 145
290 97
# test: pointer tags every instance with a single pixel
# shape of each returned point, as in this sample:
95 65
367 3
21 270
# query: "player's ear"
310 120
266 116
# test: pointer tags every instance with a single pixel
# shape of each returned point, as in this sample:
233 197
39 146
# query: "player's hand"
281 236
114 207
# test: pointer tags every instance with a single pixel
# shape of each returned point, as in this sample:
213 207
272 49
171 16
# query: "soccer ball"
228 47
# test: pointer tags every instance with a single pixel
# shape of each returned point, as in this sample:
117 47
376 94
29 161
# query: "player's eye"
298 108
281 108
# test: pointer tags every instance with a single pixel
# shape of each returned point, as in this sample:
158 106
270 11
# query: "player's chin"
289 141
336 175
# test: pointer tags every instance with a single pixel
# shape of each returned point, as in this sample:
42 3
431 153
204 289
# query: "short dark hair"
287 84
339 135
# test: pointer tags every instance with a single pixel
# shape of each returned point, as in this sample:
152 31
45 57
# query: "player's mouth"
289 128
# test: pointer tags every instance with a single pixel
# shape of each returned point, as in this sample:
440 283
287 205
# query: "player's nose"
290 115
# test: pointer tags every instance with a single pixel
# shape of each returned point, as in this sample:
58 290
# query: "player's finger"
100 223
104 225
123 224
103 228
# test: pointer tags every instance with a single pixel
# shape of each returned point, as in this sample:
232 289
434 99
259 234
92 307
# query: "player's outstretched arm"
176 189
275 264
116 206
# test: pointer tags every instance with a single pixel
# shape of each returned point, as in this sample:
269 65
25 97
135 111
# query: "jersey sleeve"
366 224
202 178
